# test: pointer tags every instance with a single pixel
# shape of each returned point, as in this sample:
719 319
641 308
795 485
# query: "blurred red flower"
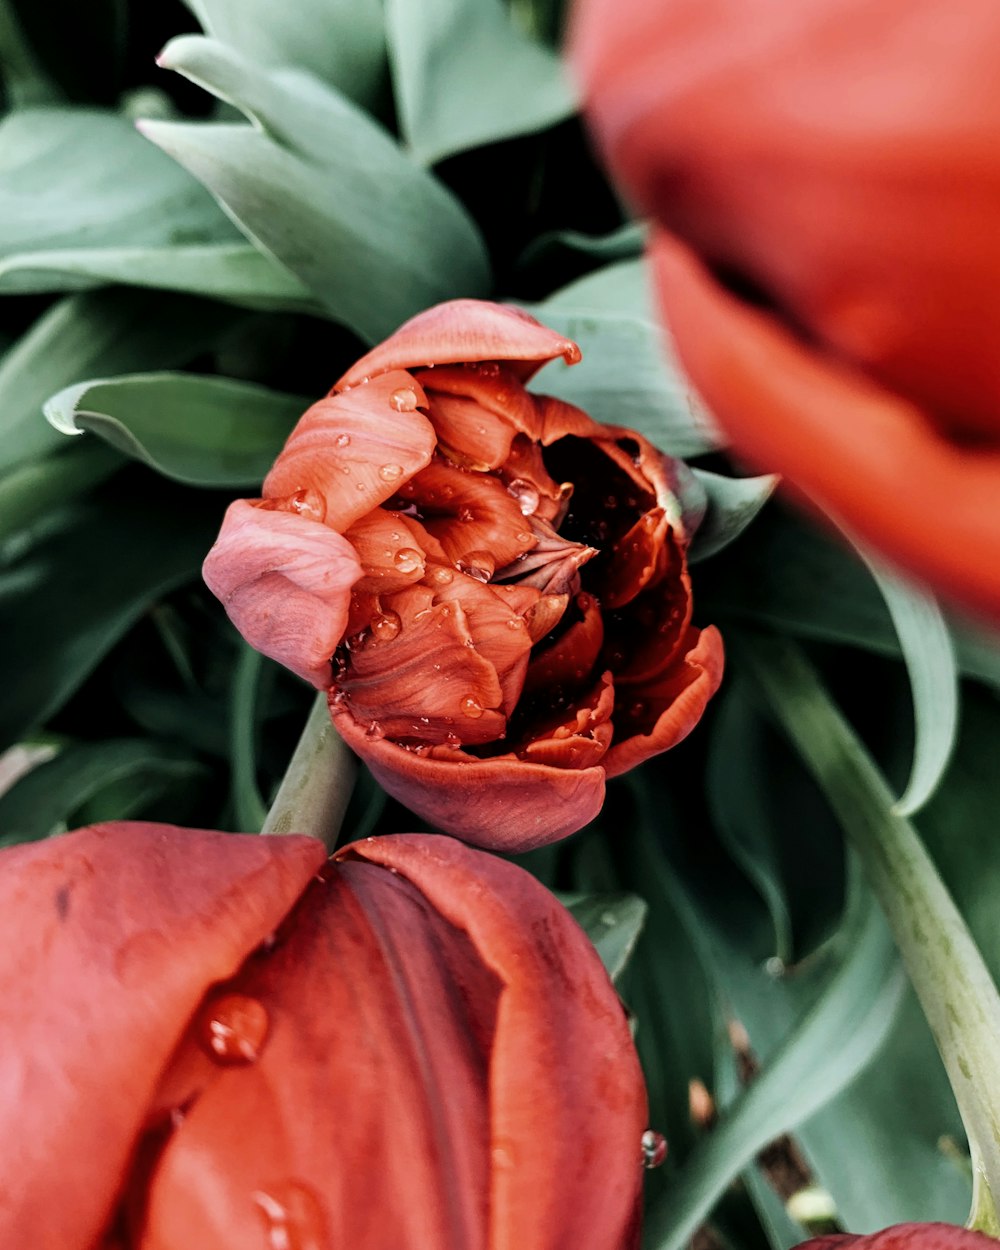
500 581
213 1042
828 257
906 1237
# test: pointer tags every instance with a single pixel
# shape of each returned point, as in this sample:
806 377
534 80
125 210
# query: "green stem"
955 988
317 787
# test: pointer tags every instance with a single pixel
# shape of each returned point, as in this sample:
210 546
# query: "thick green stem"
955 988
317 787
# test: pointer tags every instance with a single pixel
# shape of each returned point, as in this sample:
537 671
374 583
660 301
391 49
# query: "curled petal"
468 436
527 479
579 736
477 410
464 330
424 678
635 559
557 419
856 451
119 930
285 582
503 804
355 450
649 634
569 659
662 714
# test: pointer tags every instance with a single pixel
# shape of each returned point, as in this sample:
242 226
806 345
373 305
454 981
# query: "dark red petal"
464 330
424 680
557 419
569 660
645 638
365 1120
118 930
467 435
527 479
651 719
355 450
502 804
563 1133
907 1237
860 454
635 559
285 581
579 735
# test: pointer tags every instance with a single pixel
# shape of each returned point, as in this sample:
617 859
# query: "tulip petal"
855 451
566 1092
934 1236
285 582
391 550
662 714
356 449
464 330
570 658
119 929
576 736
503 804
477 410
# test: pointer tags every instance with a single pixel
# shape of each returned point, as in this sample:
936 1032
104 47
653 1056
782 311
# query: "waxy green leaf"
204 431
613 922
733 502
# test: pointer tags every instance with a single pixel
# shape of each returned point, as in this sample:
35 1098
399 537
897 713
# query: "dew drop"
452 739
408 560
345 468
390 472
360 486
293 1215
308 503
442 576
524 537
343 440
357 641
465 513
525 494
374 730
478 565
404 399
233 1028
654 1148
471 707
386 626
515 622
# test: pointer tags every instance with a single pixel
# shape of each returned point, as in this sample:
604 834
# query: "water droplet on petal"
525 494
466 514
308 503
390 472
345 468
654 1148
408 560
442 576
233 1028
386 626
294 1217
503 1156
404 399
343 440
374 730
356 641
515 622
478 565
524 537
471 706
452 739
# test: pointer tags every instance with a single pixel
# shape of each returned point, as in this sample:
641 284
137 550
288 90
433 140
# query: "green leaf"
82 47
613 922
340 41
77 783
626 376
930 662
94 333
32 493
733 502
320 186
625 243
234 272
204 431
827 1049
81 590
249 809
25 81
466 76
83 178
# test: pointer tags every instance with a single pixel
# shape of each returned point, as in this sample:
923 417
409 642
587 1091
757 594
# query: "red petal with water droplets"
635 559
579 736
468 436
503 804
477 410
524 465
464 330
285 581
391 550
555 1127
417 684
119 930
664 713
906 1237
384 448
558 419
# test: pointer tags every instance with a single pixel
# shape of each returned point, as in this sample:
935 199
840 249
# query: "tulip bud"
492 586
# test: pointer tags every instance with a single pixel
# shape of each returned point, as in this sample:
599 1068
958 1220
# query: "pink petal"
464 331
285 581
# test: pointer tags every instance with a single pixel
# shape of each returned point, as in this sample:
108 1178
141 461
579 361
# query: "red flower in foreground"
425 1052
829 257
906 1237
499 580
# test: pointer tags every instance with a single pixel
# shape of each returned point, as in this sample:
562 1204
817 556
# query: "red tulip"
500 581
422 1051
906 1237
828 256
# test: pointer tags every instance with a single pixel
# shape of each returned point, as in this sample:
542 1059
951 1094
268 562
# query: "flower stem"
955 988
317 786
